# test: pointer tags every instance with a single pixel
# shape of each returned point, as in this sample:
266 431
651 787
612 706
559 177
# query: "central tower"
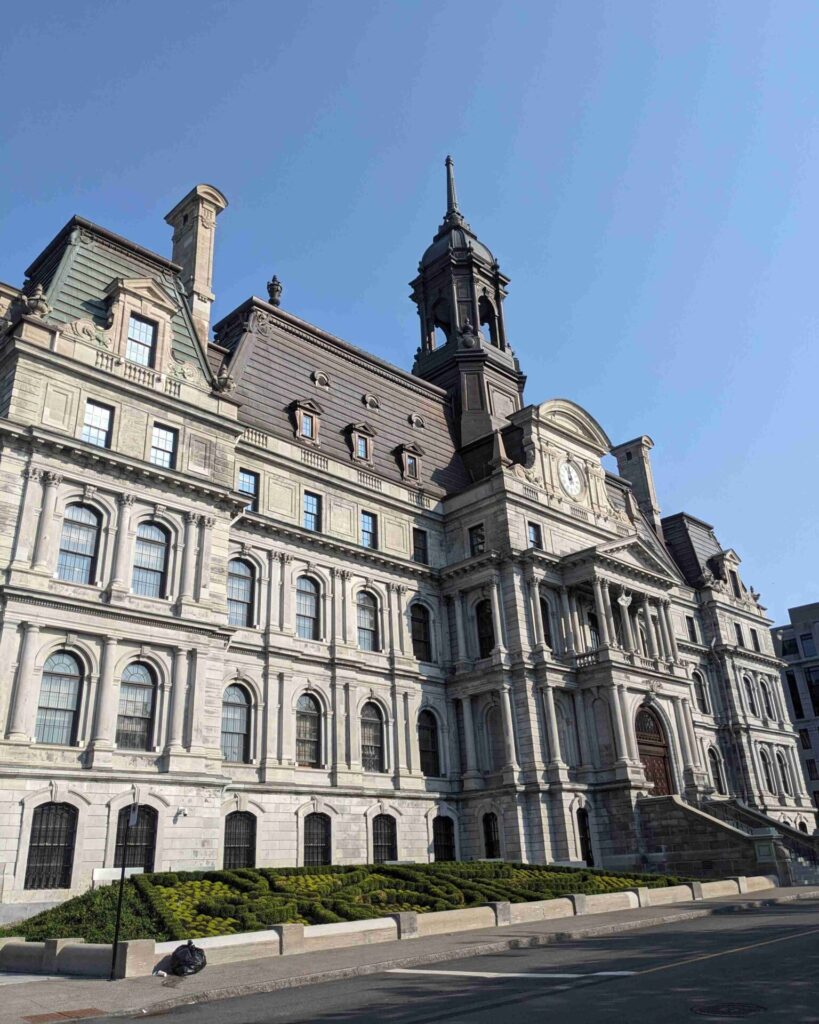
459 292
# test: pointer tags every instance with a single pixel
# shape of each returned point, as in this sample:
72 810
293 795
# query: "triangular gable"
146 288
634 552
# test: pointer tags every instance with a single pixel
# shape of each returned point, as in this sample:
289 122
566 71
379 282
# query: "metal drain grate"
732 1010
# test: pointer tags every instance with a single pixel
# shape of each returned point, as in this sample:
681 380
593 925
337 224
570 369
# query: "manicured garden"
193 904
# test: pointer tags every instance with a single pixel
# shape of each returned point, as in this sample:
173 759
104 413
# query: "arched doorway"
653 749
584 835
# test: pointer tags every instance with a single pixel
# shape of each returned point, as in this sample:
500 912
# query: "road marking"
727 952
506 974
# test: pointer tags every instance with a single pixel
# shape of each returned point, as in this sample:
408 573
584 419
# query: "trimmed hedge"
192 904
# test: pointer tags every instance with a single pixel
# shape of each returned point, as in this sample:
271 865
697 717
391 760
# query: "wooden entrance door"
653 748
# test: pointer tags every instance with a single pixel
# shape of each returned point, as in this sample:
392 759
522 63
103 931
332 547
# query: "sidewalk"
47 1001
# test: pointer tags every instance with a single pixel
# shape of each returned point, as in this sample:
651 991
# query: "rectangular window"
812 679
535 536
362 447
691 626
808 645
804 739
793 690
734 583
163 447
312 512
249 485
141 341
740 637
789 648
477 540
369 530
755 639
308 426
412 467
420 546
812 773
96 428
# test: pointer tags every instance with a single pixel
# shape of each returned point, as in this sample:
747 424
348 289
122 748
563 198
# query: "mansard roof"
275 358
692 543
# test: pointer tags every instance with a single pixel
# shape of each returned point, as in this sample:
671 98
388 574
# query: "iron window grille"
307 608
249 486
141 342
236 725
385 839
421 633
311 519
372 738
428 744
141 848
240 593
443 838
367 621
58 706
240 840
96 427
51 847
420 546
308 732
137 698
491 837
163 446
486 628
317 851
369 530
150 560
79 540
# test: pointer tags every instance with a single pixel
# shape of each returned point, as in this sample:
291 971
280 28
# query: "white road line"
507 974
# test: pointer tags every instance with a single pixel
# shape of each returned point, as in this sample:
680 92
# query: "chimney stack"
193 220
634 464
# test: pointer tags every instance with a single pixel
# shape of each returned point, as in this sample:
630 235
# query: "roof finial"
451 197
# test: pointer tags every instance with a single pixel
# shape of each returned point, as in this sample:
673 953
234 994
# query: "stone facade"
271 574
797 644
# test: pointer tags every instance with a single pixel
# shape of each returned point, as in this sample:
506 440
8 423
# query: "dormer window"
362 447
307 416
141 342
361 441
412 467
410 460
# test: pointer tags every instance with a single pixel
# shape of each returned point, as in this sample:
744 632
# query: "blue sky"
646 173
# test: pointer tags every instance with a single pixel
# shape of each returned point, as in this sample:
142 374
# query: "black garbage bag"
188 959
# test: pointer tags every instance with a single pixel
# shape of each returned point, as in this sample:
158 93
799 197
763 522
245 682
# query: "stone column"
682 731
205 548
600 609
580 720
463 653
623 601
105 720
176 731
665 639
507 717
188 556
469 735
349 611
119 575
21 726
400 591
288 621
43 543
497 620
628 727
568 631
551 727
651 636
579 639
391 645
28 515
609 614
534 610
619 725
669 624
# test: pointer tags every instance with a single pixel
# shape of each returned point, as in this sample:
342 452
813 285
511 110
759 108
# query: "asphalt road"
760 965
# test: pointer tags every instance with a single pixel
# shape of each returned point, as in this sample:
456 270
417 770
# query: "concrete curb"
422 959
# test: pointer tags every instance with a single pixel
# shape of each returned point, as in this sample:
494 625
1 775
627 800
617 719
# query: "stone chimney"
193 220
634 464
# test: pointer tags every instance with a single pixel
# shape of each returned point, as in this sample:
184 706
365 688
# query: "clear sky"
646 172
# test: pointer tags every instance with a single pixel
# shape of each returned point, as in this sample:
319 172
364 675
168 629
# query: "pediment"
635 554
145 288
573 422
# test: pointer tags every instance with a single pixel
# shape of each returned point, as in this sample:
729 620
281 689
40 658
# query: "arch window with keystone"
307 420
137 701
58 707
410 458
362 437
79 543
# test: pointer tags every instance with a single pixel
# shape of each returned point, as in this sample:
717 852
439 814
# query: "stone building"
797 645
303 606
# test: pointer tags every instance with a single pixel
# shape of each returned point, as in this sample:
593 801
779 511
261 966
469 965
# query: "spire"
453 214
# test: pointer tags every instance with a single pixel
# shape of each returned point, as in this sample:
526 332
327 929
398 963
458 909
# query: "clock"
571 478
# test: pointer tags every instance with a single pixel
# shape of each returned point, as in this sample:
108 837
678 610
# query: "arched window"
372 738
594 631
308 732
491 837
485 627
767 771
421 637
494 739
79 543
700 693
443 838
240 840
51 847
802 826
241 579
141 839
236 725
428 744
784 773
767 703
137 699
385 839
316 840
749 696
546 619
307 608
58 707
584 836
151 560
489 320
367 609
715 767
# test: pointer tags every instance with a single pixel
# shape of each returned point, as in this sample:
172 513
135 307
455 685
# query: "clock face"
571 479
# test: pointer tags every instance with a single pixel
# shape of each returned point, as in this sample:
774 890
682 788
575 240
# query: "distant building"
305 607
797 644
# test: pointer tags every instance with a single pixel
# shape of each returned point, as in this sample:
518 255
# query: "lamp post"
130 823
